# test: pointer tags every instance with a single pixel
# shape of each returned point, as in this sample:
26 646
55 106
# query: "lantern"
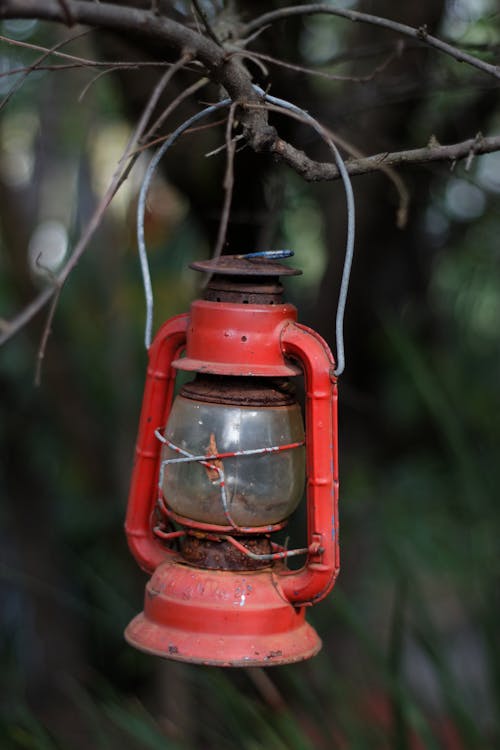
220 468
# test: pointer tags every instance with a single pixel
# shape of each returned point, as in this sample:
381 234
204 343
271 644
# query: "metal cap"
253 264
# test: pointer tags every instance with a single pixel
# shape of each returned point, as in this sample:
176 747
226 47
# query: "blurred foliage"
411 657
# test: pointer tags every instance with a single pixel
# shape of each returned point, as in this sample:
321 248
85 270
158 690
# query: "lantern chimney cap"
253 264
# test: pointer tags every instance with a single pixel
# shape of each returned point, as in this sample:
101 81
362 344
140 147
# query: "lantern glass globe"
260 489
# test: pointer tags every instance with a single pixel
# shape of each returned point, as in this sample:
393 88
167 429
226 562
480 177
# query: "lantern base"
221 618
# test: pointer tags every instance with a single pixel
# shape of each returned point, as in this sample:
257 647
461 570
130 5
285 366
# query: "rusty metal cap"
252 264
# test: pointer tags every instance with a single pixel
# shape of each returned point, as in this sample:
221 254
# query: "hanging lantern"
220 468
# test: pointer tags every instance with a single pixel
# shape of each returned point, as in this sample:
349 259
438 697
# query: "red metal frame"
316 578
239 339
156 405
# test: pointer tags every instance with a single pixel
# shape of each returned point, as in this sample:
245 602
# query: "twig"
206 23
314 171
83 61
29 69
141 206
393 176
83 93
321 73
188 131
420 34
164 81
229 73
174 104
136 137
228 183
218 150
45 336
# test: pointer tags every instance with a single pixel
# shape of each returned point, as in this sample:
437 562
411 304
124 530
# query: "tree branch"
222 68
420 34
313 171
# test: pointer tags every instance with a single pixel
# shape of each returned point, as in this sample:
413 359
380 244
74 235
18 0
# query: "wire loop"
351 220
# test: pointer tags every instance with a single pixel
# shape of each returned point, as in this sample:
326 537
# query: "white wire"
351 222
351 216
141 209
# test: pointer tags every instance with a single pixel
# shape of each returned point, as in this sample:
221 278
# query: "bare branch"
82 61
225 69
314 171
221 68
421 34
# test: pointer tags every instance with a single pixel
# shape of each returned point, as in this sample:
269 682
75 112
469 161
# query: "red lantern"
220 468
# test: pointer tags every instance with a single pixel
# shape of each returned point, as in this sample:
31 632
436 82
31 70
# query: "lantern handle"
302 115
156 405
313 582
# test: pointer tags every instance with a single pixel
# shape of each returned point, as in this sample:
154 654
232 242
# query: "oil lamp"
221 466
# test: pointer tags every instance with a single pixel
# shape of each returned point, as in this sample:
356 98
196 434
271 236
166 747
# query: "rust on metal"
219 554
214 468
233 265
250 281
240 391
237 289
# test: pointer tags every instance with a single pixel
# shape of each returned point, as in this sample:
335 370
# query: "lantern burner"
218 553
245 280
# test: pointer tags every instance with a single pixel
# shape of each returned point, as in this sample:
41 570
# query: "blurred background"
410 658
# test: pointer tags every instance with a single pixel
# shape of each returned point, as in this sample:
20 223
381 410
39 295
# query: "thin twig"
165 80
228 183
314 171
45 336
29 69
83 93
55 68
218 150
82 61
185 94
141 207
321 73
188 131
393 176
206 23
420 34
145 117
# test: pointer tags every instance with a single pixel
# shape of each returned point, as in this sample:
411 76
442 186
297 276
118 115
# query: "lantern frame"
252 340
